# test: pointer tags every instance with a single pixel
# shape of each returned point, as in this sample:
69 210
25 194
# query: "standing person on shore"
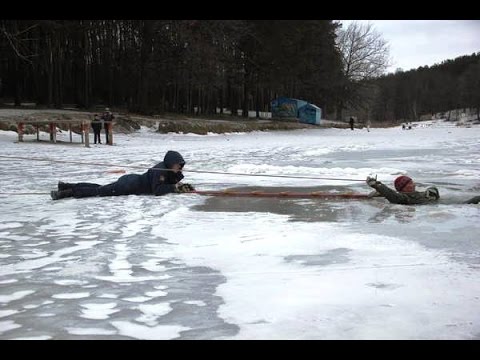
97 128
108 118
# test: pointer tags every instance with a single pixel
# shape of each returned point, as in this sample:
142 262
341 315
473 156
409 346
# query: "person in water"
406 193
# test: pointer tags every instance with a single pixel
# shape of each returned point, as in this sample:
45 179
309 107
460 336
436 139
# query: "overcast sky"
415 43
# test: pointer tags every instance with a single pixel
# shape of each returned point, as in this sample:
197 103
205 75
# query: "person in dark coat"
161 179
97 128
352 122
107 118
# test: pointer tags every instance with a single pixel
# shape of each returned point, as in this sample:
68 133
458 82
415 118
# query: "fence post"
110 133
20 131
86 128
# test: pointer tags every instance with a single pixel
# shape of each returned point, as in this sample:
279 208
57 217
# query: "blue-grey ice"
185 266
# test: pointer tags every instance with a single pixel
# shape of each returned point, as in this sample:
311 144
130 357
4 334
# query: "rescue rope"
25 193
297 195
192 171
283 194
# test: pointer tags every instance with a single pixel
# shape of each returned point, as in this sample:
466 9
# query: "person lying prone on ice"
161 179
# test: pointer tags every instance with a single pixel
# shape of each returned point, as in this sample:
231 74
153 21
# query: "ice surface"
195 267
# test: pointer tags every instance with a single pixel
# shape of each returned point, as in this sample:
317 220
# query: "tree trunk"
86 99
339 111
245 96
162 105
18 83
198 101
221 99
50 73
414 110
257 102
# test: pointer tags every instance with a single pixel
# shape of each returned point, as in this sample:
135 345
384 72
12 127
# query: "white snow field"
185 266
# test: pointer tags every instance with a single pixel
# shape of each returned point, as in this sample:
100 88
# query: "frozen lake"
186 266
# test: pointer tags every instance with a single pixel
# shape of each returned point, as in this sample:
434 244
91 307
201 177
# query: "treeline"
453 84
183 66
204 66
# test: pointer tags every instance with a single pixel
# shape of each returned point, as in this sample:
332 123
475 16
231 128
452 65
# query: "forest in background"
208 67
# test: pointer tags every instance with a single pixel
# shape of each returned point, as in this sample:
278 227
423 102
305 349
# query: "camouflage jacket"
474 200
429 196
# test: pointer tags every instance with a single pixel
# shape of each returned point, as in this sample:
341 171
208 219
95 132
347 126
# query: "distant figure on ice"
107 118
406 194
97 128
161 179
352 122
368 123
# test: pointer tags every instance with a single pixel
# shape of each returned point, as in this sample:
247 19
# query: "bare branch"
15 41
364 52
12 45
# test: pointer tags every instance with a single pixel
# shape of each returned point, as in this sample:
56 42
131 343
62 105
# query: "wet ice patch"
121 268
317 152
52 268
121 277
36 244
10 225
40 337
56 256
141 332
8 325
69 296
157 293
35 254
15 296
152 312
195 302
5 313
67 282
384 286
8 281
134 222
98 311
31 306
108 296
137 299
89 331
80 268
19 238
152 265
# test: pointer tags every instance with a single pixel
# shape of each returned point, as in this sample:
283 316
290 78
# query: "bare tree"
365 55
364 52
16 39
